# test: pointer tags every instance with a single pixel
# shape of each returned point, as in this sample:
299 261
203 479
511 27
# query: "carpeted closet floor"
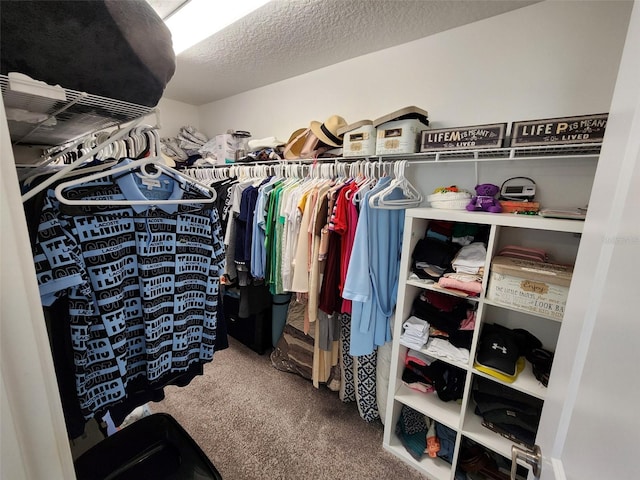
255 422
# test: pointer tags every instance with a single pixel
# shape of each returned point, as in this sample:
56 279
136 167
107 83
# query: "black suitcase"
154 447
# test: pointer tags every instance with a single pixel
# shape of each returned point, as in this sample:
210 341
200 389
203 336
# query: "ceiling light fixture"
199 19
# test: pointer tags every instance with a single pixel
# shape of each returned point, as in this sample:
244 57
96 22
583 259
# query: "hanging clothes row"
315 231
128 262
136 144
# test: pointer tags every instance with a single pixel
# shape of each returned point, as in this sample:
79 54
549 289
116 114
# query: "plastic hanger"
68 168
412 196
208 195
79 171
366 183
139 139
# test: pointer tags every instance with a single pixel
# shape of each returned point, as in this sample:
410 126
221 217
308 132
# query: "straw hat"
293 149
327 132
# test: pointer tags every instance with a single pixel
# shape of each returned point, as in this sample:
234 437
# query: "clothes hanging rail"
120 133
29 169
209 195
542 152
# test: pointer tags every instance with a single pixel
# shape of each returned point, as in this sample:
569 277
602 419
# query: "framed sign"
477 136
559 131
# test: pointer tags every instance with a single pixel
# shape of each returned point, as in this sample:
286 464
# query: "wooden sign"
559 131
477 136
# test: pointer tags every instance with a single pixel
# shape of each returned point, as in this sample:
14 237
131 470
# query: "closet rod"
300 161
55 156
61 173
392 159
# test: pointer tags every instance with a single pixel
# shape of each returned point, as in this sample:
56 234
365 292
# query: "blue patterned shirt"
141 281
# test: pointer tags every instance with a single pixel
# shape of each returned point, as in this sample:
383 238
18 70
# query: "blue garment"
258 250
447 439
247 204
374 256
372 276
142 284
357 286
384 268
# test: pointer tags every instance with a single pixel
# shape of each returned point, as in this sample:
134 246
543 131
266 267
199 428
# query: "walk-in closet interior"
335 239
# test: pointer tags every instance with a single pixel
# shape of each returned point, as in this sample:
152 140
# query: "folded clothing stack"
416 333
414 374
191 140
421 435
468 266
440 348
506 411
450 318
470 258
185 146
433 375
433 255
524 253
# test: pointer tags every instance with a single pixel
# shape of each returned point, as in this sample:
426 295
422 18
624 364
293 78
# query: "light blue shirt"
372 276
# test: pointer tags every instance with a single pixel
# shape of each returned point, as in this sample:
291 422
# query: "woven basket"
448 196
450 200
451 204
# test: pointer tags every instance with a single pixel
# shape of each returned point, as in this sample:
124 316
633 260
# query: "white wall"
590 419
32 430
550 59
175 115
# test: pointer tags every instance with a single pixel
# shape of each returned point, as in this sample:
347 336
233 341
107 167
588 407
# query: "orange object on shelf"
509 206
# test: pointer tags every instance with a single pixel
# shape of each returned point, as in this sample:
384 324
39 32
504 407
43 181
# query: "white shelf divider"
433 468
447 413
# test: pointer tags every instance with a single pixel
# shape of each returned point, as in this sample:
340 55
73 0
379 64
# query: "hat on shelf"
327 132
168 161
353 126
407 113
294 145
260 143
498 351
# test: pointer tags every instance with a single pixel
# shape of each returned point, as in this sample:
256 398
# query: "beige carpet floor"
255 422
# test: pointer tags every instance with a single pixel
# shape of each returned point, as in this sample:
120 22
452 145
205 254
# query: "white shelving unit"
560 238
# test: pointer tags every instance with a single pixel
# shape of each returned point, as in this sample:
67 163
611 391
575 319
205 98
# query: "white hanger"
364 186
139 138
412 197
62 173
208 194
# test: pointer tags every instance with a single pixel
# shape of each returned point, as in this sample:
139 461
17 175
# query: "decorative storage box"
541 288
477 136
359 139
399 136
559 131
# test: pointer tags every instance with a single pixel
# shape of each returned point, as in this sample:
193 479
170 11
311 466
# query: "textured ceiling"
286 38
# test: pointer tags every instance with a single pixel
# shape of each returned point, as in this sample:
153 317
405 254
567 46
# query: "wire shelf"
583 150
66 120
